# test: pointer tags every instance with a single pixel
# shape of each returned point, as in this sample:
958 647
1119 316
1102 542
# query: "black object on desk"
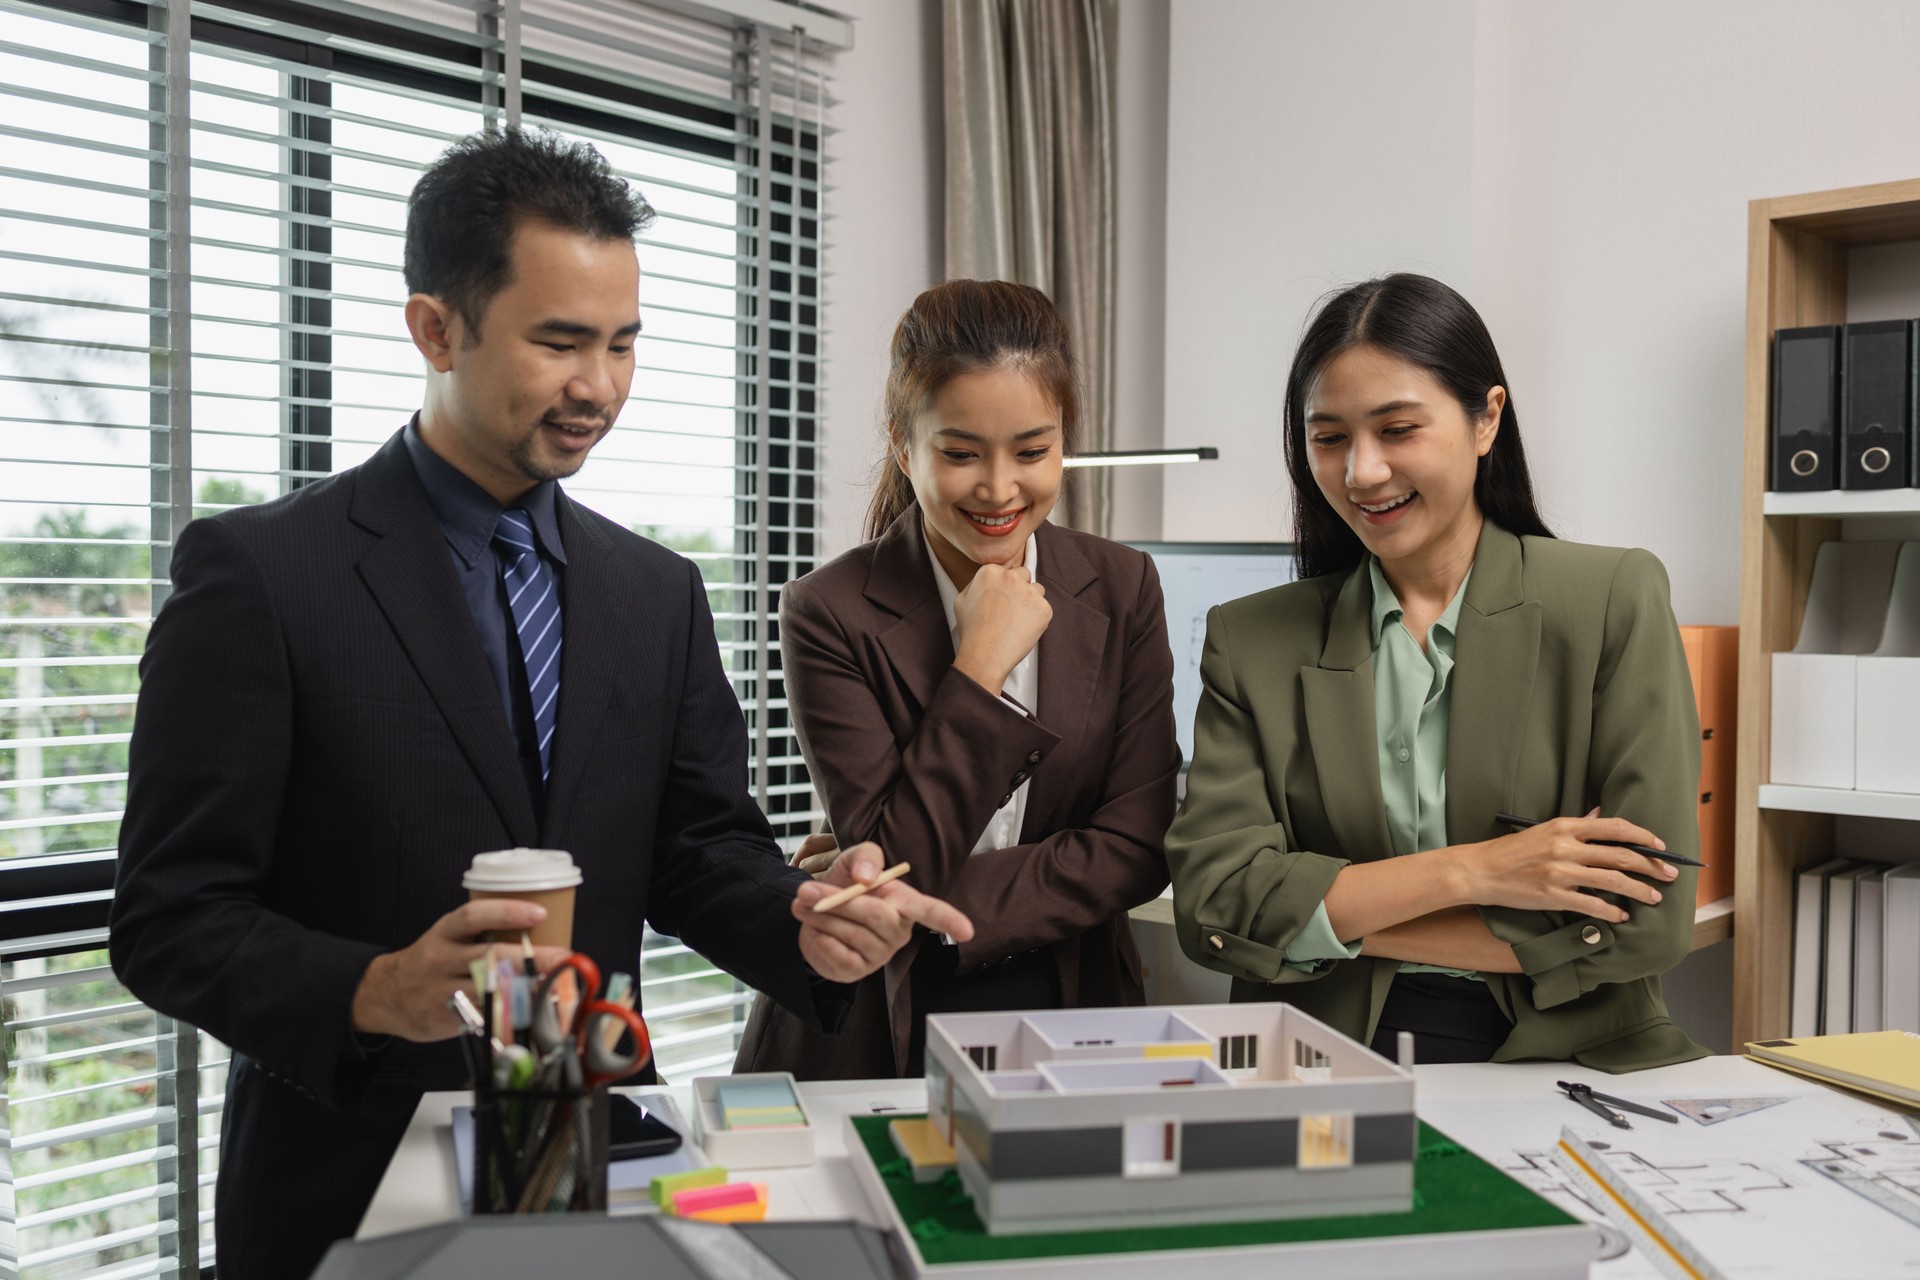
634 1133
1602 1104
1509 820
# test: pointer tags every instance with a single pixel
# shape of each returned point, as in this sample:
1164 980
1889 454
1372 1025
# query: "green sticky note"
663 1187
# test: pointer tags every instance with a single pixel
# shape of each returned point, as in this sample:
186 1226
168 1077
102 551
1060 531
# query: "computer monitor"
1196 576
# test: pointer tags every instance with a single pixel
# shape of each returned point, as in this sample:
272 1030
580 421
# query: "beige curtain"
1030 185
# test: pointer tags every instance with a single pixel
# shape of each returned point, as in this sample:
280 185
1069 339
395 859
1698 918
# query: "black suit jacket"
318 753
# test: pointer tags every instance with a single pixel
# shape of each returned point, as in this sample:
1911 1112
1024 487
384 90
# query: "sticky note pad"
758 1104
698 1199
753 1210
764 1117
662 1188
752 1094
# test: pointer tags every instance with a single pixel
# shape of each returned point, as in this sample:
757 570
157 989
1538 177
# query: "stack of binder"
1845 403
1856 948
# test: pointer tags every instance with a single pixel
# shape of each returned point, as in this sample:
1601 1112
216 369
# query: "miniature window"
1152 1148
1326 1142
1309 1063
985 1056
1239 1053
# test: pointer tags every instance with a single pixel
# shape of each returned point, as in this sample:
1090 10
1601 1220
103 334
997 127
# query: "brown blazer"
908 752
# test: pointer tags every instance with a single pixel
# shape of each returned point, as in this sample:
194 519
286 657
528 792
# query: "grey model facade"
1083 1119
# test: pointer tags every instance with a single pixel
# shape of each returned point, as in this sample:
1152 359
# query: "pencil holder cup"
540 1150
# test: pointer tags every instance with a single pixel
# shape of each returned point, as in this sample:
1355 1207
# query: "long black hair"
1423 322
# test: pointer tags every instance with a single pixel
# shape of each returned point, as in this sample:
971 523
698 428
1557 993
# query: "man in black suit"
356 688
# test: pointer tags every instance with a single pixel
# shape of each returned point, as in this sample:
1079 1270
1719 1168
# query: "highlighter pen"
1508 820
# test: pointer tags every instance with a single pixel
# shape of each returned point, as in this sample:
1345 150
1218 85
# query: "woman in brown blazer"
987 695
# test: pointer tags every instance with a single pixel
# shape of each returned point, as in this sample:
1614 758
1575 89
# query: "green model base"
1453 1190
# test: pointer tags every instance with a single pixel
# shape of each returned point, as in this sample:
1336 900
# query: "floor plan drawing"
1706 1186
1884 1169
1728 1184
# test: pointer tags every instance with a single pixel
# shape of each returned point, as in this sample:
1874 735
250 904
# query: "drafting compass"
1603 1104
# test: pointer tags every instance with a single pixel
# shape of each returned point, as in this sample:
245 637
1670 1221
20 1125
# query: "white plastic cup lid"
521 871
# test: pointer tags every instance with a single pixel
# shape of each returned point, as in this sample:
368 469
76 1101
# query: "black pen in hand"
1509 820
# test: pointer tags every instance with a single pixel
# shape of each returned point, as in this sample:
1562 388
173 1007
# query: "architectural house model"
1082 1119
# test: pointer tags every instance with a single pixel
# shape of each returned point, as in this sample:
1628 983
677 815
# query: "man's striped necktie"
534 605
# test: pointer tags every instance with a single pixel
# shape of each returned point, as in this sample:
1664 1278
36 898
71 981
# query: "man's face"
526 399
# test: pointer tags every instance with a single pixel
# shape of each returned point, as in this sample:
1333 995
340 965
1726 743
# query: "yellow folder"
1883 1063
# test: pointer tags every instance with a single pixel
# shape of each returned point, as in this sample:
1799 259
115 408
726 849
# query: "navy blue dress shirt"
468 515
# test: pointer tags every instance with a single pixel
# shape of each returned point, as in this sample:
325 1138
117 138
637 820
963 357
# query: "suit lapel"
1497 653
1338 695
1072 654
410 577
589 646
919 647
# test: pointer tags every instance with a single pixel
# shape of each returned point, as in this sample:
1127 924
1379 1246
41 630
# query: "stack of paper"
759 1104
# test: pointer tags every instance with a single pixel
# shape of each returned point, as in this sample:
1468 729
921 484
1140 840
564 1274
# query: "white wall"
884 233
1140 271
1309 144
886 226
1581 172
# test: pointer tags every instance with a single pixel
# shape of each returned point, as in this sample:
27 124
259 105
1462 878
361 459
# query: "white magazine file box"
1814 697
1887 723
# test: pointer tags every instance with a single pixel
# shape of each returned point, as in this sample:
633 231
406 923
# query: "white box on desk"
1815 698
749 1148
1887 689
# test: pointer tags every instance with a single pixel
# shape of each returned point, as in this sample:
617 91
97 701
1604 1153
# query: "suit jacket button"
1019 777
1590 935
1004 800
1035 757
1217 942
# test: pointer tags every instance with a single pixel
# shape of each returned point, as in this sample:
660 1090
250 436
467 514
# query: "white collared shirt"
1022 690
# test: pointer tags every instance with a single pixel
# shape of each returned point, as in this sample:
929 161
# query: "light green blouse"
1410 701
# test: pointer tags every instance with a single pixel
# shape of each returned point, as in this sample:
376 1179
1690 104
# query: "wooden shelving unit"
1797 258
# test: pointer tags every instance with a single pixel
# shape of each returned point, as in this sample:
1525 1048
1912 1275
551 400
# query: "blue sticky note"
754 1094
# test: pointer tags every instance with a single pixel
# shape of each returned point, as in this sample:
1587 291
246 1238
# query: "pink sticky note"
700 1199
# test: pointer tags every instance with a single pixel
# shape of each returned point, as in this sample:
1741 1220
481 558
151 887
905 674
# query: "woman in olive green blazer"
1547 680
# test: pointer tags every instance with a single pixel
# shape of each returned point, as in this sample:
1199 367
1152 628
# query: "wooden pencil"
853 891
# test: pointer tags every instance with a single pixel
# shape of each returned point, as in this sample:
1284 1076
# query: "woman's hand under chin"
1000 617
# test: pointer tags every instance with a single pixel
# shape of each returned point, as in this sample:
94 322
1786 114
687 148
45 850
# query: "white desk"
419 1187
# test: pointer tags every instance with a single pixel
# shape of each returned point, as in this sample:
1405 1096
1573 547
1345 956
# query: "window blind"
200 307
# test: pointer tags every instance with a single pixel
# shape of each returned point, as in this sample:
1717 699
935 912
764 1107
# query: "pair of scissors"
583 1035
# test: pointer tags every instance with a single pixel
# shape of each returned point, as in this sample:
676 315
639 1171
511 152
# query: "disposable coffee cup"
544 876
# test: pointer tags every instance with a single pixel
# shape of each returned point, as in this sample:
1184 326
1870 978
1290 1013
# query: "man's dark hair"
464 210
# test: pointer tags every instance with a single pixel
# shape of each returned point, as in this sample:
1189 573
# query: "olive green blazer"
1570 690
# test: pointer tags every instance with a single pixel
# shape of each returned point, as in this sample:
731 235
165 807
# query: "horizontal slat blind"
308 126
95 1116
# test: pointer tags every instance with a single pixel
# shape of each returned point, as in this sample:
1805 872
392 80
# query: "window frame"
58 904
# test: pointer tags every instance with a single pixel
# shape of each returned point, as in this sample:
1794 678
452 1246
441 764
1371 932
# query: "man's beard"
529 464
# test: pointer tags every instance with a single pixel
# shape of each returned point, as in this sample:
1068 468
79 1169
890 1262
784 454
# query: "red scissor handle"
547 1031
602 1062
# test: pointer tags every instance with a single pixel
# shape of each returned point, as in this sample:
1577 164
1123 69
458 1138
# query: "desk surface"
419 1188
